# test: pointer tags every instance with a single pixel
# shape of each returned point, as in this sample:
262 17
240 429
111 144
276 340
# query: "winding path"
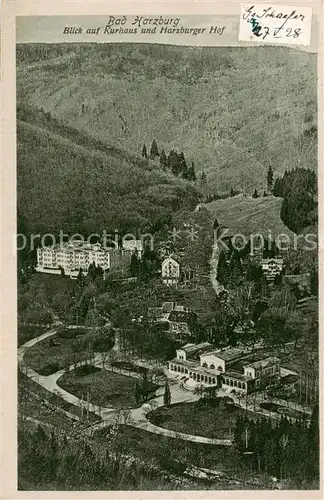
213 267
137 416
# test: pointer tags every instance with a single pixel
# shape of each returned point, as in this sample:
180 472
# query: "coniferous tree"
80 279
154 152
203 180
167 394
235 269
222 269
232 192
163 160
135 264
173 162
191 173
314 281
183 166
138 392
255 194
254 272
277 187
144 151
270 179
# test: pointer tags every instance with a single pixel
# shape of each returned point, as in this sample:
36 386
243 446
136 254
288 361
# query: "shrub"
86 370
50 368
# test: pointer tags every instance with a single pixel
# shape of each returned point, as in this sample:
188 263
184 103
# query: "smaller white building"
171 270
272 267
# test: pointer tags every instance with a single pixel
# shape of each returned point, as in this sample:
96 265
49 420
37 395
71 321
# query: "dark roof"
236 375
228 354
195 349
262 363
173 257
273 259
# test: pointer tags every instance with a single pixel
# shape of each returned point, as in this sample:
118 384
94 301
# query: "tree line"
298 188
174 162
285 449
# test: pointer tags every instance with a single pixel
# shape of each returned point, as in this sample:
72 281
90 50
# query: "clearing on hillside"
247 215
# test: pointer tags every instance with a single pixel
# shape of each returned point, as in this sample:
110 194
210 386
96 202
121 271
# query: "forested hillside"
299 210
232 111
68 181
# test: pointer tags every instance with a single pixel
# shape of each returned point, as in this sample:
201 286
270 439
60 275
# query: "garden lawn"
65 348
27 332
199 419
46 358
106 388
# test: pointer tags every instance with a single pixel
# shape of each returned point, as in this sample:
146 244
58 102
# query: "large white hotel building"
75 255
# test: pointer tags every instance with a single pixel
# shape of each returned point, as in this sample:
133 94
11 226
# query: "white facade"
272 267
75 256
170 271
182 353
212 362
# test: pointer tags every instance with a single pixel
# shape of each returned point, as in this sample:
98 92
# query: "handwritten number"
294 34
267 32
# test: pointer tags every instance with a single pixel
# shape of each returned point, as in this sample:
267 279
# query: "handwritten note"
267 23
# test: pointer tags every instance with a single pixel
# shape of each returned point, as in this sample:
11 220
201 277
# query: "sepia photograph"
167 256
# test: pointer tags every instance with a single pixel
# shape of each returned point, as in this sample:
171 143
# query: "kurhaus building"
203 365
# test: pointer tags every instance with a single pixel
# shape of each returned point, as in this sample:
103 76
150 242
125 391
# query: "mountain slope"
233 111
248 215
71 182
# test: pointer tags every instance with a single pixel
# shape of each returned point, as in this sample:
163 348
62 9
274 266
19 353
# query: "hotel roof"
262 363
192 349
236 375
274 259
227 354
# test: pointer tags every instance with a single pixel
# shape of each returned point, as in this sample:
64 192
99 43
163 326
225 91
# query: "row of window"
235 383
212 367
195 376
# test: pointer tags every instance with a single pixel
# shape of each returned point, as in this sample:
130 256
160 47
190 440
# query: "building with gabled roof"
272 267
171 270
203 365
163 313
190 351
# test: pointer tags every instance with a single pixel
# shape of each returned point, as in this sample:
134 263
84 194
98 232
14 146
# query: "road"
137 416
213 267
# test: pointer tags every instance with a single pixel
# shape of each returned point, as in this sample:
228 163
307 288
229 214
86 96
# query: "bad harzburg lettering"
144 25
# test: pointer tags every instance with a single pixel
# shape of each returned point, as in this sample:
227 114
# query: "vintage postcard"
161 188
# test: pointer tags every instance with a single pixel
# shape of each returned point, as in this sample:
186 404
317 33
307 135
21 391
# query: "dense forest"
285 450
49 460
69 181
298 188
191 99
